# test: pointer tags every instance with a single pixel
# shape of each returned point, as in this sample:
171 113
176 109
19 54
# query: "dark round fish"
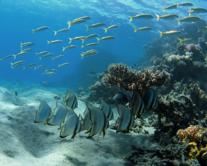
150 99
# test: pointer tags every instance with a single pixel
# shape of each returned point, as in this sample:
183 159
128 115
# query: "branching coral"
123 77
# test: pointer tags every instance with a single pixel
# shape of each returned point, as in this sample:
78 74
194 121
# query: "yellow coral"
193 135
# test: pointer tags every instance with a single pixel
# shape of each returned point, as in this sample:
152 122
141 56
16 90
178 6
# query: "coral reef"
125 78
196 139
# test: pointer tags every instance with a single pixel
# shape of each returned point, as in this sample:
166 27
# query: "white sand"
24 143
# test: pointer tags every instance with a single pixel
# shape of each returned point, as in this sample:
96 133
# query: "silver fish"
125 120
70 126
39 29
43 113
150 99
60 31
71 100
58 115
137 105
98 121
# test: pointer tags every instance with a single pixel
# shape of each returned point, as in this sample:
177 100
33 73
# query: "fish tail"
15 56
158 17
131 18
69 24
98 40
63 49
48 42
33 31
70 40
105 30
55 33
161 34
83 41
135 29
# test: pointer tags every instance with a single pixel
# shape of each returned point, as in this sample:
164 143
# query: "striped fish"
137 105
150 99
71 100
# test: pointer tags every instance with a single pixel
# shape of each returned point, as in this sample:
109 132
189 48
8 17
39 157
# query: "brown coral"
123 77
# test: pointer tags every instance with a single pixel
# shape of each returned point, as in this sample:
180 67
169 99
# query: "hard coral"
195 137
124 77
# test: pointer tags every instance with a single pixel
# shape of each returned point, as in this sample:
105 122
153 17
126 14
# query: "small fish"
50 70
70 126
197 10
71 100
114 26
125 120
63 65
185 4
49 73
105 38
175 6
167 16
150 99
95 25
21 53
140 16
54 41
16 64
81 38
26 49
169 33
89 45
46 55
57 57
142 29
90 36
39 29
58 115
6 57
137 105
77 21
183 41
189 19
42 52
91 52
43 113
60 31
26 44
68 47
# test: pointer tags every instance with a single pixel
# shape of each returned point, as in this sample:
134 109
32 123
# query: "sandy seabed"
23 143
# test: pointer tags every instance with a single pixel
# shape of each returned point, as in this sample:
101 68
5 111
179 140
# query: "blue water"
19 17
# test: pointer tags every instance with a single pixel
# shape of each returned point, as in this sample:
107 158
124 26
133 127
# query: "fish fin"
70 40
157 17
131 18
